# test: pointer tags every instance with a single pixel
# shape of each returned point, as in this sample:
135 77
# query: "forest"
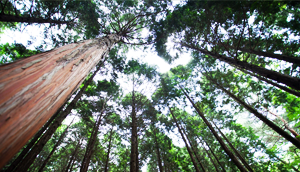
76 101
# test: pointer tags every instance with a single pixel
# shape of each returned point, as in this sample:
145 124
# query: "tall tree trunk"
54 147
286 125
228 152
194 150
276 76
211 160
183 138
134 138
91 143
272 125
108 151
34 88
72 157
295 169
30 157
158 153
235 150
212 152
284 88
20 157
13 18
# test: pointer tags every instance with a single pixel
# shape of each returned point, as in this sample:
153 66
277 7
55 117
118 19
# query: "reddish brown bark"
134 156
34 88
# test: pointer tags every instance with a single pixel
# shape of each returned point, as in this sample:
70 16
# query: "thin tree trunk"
134 139
34 88
228 152
286 125
280 131
276 76
72 157
158 154
30 157
195 152
212 152
233 148
91 143
108 152
211 159
13 18
286 163
284 88
20 157
54 147
183 138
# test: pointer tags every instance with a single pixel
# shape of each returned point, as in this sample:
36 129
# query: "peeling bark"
34 88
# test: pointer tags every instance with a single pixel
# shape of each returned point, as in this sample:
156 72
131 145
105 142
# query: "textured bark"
272 125
108 151
34 88
235 150
212 152
272 83
30 157
228 152
158 153
54 148
194 150
186 144
276 76
72 157
134 139
13 18
20 157
91 143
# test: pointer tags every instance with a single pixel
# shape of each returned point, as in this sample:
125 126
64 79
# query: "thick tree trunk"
91 143
276 76
72 157
108 151
272 125
34 88
158 153
13 18
186 144
30 157
228 152
194 150
284 88
212 152
233 148
134 163
20 157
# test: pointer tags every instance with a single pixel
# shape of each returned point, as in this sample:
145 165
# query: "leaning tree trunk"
13 18
276 76
268 122
235 150
34 88
54 148
210 158
194 150
108 151
228 152
20 157
73 156
186 144
91 143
